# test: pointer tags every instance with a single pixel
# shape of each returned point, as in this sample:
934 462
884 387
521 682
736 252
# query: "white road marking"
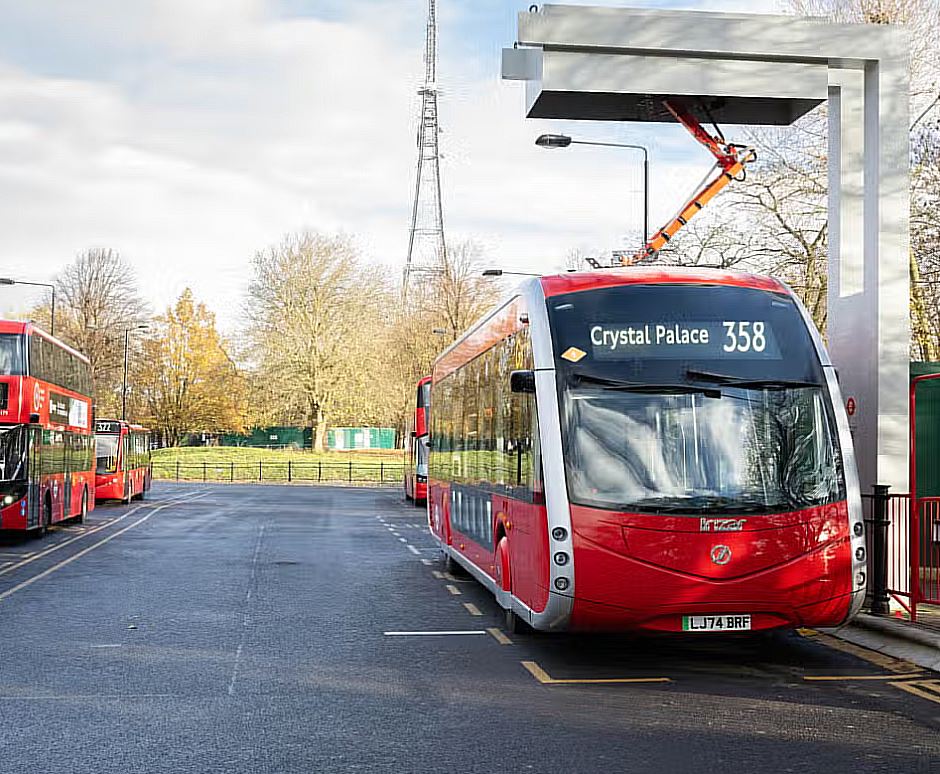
427 562
246 615
435 634
453 589
414 550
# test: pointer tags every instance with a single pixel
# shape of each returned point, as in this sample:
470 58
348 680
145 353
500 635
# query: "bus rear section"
416 445
46 450
687 467
122 457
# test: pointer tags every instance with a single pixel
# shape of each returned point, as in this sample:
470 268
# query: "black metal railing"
290 472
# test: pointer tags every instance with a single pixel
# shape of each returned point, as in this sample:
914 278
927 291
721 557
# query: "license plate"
716 623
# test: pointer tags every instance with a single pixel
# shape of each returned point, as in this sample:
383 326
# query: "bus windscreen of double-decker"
679 399
13 453
12 362
106 453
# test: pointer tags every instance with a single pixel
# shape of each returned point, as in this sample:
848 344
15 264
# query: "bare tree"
97 297
315 312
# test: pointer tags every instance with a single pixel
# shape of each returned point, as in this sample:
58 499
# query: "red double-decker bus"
122 457
46 445
649 449
416 445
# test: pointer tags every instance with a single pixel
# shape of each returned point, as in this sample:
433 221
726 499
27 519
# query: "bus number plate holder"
716 623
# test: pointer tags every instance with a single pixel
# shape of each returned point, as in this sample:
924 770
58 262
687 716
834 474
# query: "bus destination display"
706 340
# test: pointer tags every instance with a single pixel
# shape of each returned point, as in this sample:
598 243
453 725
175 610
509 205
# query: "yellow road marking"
33 556
30 581
497 634
871 656
472 609
833 678
437 574
925 689
453 589
546 679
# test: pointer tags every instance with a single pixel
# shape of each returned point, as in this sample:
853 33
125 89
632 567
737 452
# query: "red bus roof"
28 328
557 284
424 380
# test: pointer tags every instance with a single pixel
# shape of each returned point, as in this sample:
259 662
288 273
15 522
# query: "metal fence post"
350 471
381 472
260 471
232 473
203 471
319 470
879 550
177 470
290 472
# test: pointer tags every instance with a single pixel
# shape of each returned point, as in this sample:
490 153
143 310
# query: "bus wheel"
83 513
451 565
515 625
45 517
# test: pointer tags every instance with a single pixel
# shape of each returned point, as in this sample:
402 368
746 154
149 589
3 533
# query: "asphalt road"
245 629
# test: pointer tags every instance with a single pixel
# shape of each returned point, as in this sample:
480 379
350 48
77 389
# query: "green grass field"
234 464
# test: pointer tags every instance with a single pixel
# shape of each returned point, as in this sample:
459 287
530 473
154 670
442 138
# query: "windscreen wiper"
648 387
730 380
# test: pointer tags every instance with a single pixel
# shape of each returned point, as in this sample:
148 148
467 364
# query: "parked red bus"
649 449
46 451
122 455
416 445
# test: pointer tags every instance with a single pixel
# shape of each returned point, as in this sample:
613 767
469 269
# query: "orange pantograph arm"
730 163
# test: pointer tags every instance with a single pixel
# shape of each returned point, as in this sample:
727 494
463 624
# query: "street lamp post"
124 385
501 272
563 141
10 281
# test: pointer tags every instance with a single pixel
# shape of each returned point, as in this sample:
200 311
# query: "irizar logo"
721 525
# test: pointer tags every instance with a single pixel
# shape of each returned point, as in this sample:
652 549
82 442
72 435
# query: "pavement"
245 628
897 638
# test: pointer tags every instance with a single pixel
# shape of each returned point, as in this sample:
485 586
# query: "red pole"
914 526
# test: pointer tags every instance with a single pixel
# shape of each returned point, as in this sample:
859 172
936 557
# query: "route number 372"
744 336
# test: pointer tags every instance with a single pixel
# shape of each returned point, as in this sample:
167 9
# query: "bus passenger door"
67 475
34 472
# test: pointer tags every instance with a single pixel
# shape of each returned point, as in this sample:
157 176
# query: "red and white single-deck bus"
416 445
649 449
46 445
122 455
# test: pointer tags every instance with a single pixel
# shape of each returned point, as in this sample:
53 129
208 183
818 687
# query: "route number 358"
744 336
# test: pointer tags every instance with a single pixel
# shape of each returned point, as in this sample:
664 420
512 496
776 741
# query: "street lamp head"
553 141
7 281
492 272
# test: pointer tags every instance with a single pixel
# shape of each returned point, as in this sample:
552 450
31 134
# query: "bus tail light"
562 584
860 579
559 533
561 558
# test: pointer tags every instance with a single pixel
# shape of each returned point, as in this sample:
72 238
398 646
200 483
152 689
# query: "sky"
188 135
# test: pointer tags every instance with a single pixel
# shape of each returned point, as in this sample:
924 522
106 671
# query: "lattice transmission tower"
426 250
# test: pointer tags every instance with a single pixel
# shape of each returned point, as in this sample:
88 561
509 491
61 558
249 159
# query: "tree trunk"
319 437
924 343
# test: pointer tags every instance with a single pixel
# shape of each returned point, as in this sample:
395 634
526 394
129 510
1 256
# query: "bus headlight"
562 584
559 533
859 528
561 558
860 579
860 553
8 499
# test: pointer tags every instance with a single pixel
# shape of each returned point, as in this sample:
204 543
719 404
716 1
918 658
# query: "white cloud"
189 134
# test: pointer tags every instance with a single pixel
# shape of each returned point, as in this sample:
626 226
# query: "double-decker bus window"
12 362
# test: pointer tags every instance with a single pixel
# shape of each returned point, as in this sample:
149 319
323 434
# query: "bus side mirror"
522 381
34 419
